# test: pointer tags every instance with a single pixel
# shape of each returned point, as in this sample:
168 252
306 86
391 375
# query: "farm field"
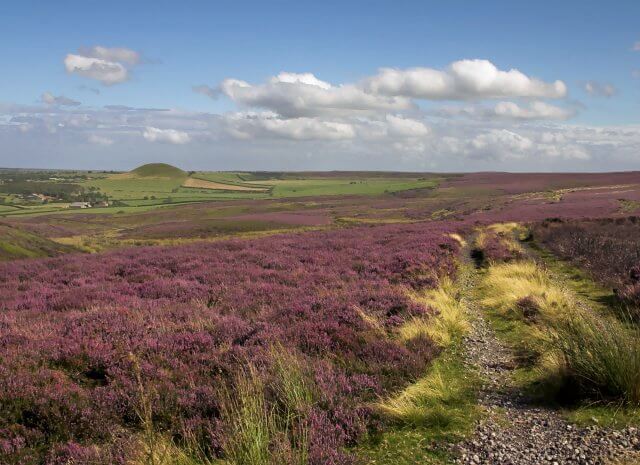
339 326
158 185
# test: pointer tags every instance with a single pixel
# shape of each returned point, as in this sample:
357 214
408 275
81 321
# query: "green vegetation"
569 349
158 170
258 435
440 407
17 243
157 184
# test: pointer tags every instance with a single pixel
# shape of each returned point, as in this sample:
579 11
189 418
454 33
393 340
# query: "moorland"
254 318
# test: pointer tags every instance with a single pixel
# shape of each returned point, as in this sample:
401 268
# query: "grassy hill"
158 170
17 243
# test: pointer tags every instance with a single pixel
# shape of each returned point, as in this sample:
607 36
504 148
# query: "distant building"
102 203
80 205
33 197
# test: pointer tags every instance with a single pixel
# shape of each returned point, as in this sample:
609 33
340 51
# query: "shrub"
609 249
599 355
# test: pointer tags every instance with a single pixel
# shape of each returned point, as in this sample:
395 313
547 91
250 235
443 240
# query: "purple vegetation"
74 329
609 249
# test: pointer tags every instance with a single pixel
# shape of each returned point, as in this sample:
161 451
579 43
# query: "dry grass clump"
442 399
449 324
506 285
497 243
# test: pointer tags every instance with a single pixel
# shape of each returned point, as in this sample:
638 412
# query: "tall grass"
249 421
600 353
153 447
595 353
272 431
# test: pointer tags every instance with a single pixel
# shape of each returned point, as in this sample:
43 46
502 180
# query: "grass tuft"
268 433
450 323
579 352
442 399
601 354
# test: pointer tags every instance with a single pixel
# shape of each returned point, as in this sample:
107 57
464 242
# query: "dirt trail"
516 432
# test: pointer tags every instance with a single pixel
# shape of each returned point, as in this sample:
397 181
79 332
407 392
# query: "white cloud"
535 110
106 72
599 89
461 80
406 127
172 136
502 143
636 46
107 65
50 99
296 95
114 54
300 78
100 140
256 125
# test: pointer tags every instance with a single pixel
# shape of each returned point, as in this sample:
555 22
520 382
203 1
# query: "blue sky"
587 45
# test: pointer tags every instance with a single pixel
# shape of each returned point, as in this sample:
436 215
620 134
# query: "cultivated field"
321 319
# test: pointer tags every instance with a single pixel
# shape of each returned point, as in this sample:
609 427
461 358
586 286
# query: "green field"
156 185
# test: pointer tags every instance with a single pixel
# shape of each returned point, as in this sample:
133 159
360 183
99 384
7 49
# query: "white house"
79 205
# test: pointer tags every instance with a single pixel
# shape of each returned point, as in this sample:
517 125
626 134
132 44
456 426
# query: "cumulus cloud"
114 54
461 80
536 110
599 89
265 140
293 95
501 142
171 136
406 127
107 65
250 125
50 99
393 91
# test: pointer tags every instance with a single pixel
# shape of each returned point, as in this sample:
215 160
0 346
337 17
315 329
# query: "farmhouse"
80 205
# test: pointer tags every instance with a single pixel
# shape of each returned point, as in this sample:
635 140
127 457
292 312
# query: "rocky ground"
516 432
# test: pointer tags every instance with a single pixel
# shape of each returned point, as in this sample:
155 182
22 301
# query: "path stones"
517 433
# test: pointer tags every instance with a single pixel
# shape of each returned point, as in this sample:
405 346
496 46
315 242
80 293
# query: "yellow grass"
458 238
159 450
203 184
449 323
505 284
414 402
507 233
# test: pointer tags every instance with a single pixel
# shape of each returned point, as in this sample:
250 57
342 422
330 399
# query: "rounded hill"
158 170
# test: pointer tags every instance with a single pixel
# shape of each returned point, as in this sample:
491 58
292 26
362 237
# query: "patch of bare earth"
203 184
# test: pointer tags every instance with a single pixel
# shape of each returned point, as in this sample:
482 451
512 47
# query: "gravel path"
515 432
